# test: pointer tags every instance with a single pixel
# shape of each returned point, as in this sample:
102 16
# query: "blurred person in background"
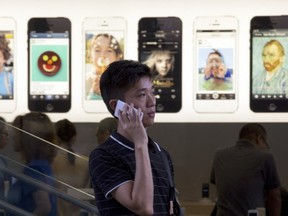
34 139
3 142
252 181
105 128
68 167
104 49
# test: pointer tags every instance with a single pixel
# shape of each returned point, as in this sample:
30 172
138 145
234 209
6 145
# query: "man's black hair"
119 77
252 129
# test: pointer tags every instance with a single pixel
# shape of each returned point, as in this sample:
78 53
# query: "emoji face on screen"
49 63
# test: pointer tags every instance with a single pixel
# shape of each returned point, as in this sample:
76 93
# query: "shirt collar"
130 145
244 142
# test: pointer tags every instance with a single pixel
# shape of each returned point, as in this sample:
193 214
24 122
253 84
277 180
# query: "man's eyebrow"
144 89
141 89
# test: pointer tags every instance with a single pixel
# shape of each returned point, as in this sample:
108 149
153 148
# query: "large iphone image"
7 65
103 43
160 48
268 64
49 64
215 64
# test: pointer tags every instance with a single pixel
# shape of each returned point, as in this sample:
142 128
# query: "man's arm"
273 202
136 195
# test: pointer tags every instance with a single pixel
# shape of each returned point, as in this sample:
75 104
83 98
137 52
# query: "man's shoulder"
224 149
266 154
104 148
158 146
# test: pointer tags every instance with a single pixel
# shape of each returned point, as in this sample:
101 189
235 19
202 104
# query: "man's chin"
148 123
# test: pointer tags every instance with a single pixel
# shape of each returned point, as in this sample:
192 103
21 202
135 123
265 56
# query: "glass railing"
38 175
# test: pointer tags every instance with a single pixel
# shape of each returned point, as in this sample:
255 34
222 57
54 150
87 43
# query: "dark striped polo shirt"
113 164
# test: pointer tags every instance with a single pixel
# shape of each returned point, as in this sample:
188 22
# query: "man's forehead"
214 55
142 84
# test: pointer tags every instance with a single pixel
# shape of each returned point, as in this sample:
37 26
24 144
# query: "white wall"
132 11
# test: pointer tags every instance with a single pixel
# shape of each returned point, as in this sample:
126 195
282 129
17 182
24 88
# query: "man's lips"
151 114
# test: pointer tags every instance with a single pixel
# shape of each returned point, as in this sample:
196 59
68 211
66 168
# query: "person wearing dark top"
245 175
33 135
128 174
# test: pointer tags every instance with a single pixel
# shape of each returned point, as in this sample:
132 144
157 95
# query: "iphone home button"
49 107
272 107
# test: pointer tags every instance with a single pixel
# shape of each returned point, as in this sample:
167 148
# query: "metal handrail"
87 206
13 209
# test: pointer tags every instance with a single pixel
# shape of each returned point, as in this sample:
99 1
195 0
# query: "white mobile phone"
104 40
216 67
119 108
8 67
253 212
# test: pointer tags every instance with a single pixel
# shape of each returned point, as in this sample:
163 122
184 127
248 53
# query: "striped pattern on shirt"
113 164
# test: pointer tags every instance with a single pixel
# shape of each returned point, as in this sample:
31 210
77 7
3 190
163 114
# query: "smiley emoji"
49 63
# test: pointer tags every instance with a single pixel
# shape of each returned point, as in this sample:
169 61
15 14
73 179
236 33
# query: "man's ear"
112 104
258 141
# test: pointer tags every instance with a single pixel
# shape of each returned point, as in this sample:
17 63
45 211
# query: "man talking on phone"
274 79
130 172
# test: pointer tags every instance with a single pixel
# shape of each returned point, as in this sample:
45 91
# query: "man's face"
142 96
214 61
262 143
272 58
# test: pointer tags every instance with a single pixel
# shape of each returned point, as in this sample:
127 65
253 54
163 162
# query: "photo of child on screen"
6 74
103 50
216 67
161 63
216 74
